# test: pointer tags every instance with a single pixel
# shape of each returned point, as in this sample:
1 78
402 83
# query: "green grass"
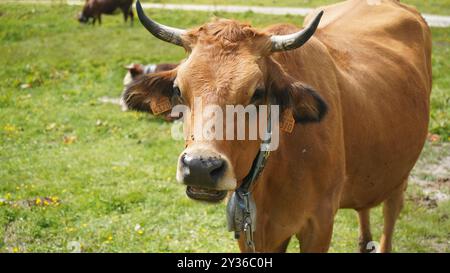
425 6
118 172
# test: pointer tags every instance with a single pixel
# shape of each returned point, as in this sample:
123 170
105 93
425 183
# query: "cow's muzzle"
82 18
202 174
207 195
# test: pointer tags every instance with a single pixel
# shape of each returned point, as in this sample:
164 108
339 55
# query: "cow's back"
385 26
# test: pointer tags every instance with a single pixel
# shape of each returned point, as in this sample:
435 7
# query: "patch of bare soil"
436 186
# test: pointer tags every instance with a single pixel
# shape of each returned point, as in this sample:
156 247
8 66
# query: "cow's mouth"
206 195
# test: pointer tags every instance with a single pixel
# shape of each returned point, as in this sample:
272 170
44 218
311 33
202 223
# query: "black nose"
202 171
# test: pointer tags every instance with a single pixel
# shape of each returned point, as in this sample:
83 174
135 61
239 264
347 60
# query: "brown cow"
369 64
95 8
138 70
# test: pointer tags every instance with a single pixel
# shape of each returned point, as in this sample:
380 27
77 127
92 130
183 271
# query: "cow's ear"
306 103
150 93
135 70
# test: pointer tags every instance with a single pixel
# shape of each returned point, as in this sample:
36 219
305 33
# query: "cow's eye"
177 98
176 91
258 96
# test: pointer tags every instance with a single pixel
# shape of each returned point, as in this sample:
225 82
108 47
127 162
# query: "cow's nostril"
183 160
218 170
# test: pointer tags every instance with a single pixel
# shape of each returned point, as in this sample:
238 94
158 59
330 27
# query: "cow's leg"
365 236
315 236
391 210
125 13
131 16
93 21
125 16
100 19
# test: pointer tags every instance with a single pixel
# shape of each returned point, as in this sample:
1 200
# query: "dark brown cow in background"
135 70
95 8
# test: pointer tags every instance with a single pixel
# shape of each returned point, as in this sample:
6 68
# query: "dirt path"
433 20
432 174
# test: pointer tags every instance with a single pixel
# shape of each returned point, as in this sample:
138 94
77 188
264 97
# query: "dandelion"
38 201
69 139
16 250
46 203
10 129
8 196
139 229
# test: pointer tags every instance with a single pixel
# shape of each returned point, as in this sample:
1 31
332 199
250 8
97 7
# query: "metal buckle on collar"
241 215
241 208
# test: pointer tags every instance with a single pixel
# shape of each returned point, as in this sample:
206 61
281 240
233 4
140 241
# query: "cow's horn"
295 40
165 33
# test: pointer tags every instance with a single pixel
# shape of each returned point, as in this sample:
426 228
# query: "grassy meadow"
75 169
425 6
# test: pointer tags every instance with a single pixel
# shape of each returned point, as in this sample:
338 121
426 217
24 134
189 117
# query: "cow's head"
85 14
229 64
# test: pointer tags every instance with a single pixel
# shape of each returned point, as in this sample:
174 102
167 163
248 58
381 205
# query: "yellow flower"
10 129
140 232
46 203
38 201
110 238
69 139
8 196
16 250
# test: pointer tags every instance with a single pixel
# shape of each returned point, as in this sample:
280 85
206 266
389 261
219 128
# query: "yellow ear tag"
287 121
160 105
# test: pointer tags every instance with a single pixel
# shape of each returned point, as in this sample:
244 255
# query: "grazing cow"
137 70
95 8
358 91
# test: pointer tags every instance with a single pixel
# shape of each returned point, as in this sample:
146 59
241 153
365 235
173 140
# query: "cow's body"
372 66
370 61
95 8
